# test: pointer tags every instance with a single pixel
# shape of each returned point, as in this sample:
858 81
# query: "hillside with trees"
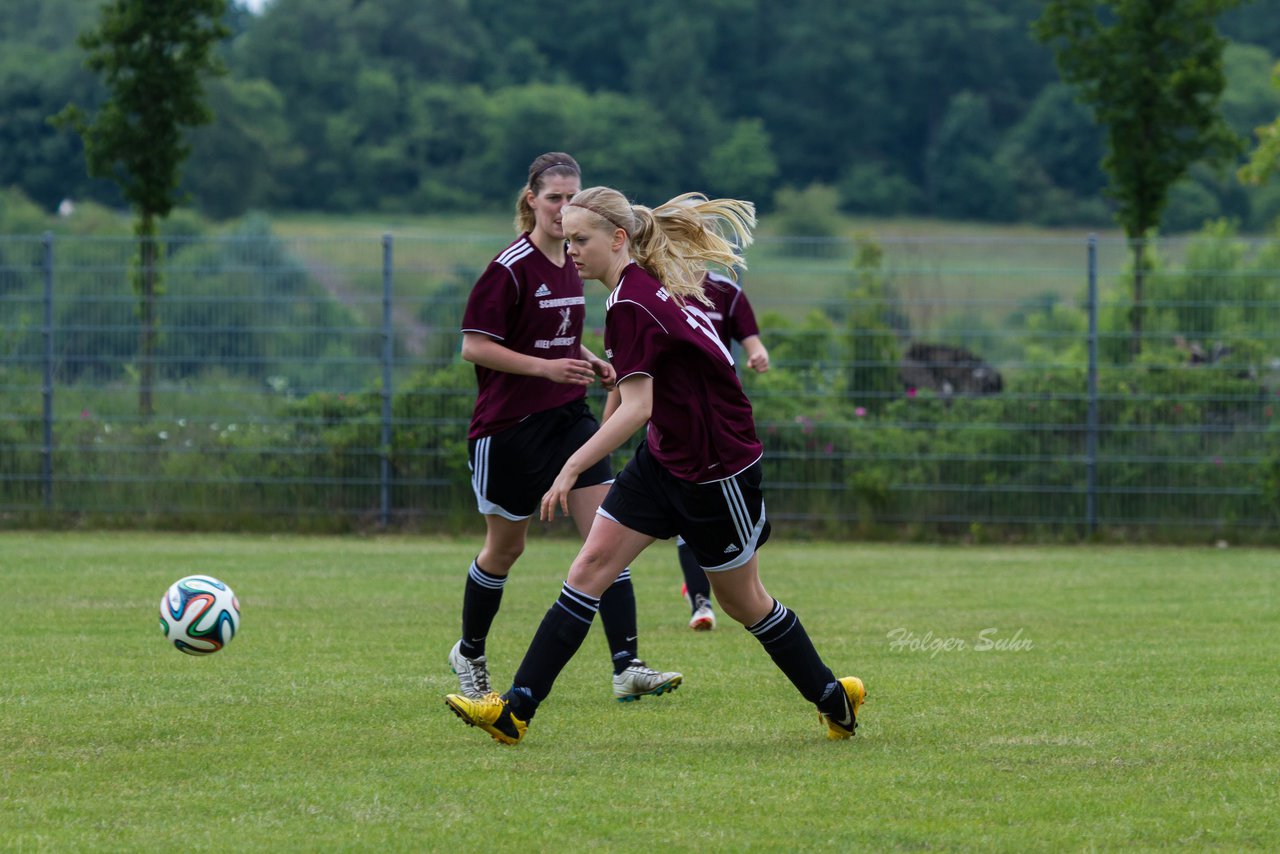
922 108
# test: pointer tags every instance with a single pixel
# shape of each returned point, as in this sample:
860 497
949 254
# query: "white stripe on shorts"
480 476
748 530
737 509
480 484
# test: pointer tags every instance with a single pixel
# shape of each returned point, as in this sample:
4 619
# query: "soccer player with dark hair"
733 319
698 471
522 328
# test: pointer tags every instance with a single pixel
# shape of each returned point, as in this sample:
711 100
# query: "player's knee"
745 603
735 611
498 558
593 571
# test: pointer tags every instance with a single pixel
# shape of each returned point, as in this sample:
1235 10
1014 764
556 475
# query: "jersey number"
696 318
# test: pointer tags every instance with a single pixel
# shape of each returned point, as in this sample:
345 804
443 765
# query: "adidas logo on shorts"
730 549
542 291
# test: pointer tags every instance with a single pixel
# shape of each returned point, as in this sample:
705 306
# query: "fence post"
1091 436
388 348
46 445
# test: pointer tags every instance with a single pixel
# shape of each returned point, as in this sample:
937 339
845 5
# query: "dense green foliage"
153 59
927 108
1153 75
273 405
1265 160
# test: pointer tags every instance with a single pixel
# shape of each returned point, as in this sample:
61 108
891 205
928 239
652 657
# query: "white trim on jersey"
514 252
492 335
633 374
611 302
522 248
721 279
733 303
735 474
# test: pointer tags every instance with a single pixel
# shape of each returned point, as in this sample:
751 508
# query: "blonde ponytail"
678 239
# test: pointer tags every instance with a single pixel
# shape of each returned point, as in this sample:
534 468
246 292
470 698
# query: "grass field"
1021 699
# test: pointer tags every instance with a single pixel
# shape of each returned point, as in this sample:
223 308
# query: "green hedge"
1176 449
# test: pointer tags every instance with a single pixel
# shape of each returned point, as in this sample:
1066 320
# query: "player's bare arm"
632 413
757 355
611 404
482 350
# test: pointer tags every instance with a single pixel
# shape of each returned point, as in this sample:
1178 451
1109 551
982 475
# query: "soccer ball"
199 614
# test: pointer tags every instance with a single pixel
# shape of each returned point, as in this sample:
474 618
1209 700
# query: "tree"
1052 159
152 55
961 174
1265 160
742 165
1152 71
247 146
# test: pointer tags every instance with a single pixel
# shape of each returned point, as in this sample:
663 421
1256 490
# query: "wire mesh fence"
919 387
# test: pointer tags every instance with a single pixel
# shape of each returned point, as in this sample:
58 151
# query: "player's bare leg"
503 544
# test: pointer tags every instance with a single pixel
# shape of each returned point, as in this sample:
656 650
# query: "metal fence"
919 387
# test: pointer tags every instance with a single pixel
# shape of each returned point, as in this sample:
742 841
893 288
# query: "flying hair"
678 239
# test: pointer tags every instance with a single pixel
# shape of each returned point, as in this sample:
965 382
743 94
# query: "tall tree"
152 55
1152 72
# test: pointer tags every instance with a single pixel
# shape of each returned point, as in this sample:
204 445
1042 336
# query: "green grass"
1142 716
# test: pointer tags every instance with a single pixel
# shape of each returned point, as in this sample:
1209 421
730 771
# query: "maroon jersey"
533 307
701 428
730 312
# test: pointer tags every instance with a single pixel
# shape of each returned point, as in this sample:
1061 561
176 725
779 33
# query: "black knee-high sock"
480 602
560 635
695 580
618 614
788 644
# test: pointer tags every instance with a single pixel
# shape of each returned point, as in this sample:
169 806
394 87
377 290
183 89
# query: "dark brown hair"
551 163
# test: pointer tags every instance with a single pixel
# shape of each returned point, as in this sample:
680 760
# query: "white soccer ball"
199 614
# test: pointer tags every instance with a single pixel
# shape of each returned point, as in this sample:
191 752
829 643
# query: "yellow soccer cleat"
855 694
491 713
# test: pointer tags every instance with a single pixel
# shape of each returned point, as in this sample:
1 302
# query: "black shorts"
723 522
513 469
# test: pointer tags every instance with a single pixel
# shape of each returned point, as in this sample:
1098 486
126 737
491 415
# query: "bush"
811 214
